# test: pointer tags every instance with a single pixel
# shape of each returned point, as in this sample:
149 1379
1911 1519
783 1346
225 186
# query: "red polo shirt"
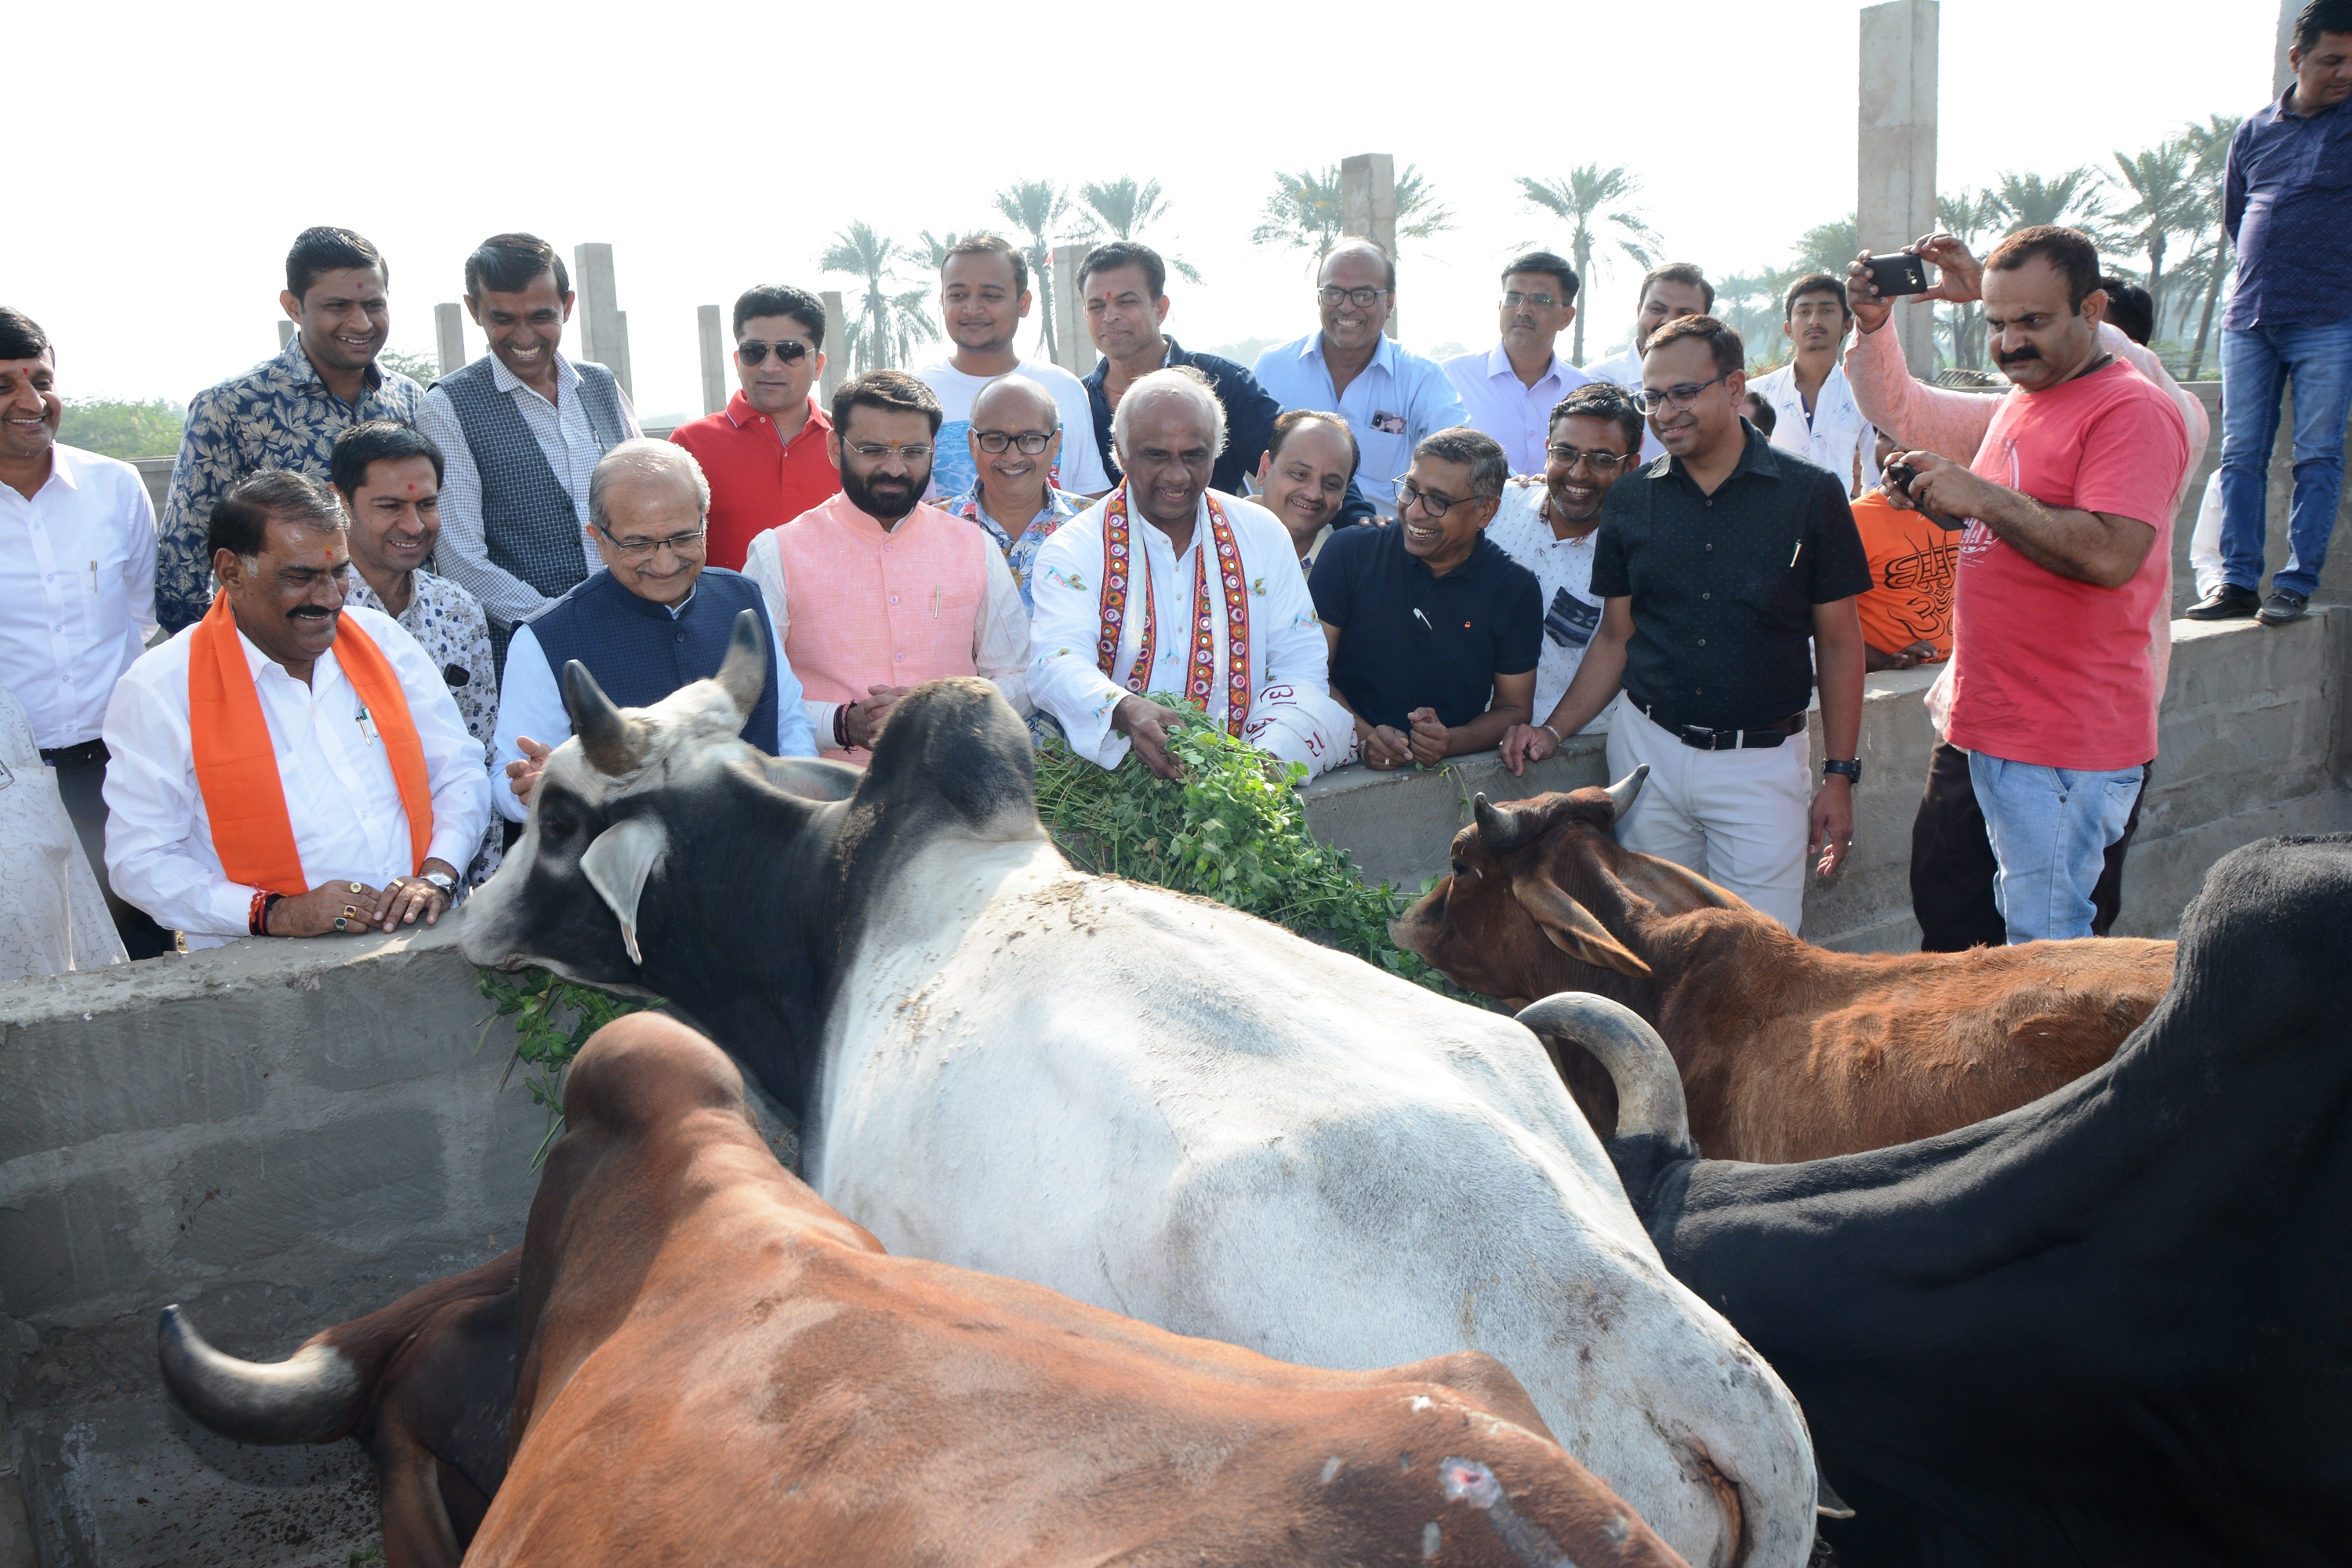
756 482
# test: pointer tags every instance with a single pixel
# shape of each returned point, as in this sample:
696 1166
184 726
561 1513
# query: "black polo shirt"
1724 585
1409 638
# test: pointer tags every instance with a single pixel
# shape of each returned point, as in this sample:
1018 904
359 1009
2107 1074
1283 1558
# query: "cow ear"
1676 889
1572 928
617 865
811 778
744 671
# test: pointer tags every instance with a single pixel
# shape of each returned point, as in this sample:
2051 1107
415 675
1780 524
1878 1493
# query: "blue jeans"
2050 829
2257 365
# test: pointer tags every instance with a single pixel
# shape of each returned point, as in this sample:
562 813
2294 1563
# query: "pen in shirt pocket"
1796 552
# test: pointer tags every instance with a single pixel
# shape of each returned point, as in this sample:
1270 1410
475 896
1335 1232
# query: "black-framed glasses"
1567 457
1682 395
1513 298
1410 495
1030 442
877 451
686 543
1332 294
789 351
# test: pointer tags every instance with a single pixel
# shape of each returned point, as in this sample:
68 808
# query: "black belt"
1700 738
80 756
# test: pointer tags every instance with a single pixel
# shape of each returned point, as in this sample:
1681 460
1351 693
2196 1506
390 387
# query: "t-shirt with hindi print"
1909 599
953 472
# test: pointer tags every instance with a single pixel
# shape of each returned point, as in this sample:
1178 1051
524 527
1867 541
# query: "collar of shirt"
1498 366
742 416
1059 505
642 605
1756 458
294 360
567 376
1383 356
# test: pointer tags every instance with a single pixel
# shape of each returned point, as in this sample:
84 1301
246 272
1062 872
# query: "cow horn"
311 1396
744 671
1622 793
611 739
1498 829
1649 1088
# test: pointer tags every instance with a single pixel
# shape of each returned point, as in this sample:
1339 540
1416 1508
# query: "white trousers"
1737 818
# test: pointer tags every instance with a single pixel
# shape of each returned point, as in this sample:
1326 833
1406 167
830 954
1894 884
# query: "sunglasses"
751 351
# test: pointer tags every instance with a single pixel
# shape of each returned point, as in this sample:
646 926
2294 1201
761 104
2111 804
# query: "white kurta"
340 798
52 916
1837 437
1291 714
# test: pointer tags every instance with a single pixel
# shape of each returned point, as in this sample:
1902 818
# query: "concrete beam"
604 329
449 337
714 358
836 348
1367 205
1894 201
1069 311
2282 73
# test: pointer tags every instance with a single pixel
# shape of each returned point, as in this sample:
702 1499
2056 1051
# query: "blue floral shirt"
1019 553
278 415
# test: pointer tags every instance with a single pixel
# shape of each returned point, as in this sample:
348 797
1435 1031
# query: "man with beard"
1166 587
1306 476
873 591
1813 406
1548 528
521 429
286 412
655 617
288 765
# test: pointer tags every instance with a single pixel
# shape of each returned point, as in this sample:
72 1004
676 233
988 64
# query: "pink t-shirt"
2046 669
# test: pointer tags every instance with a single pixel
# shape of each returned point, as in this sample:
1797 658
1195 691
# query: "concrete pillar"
449 337
2282 74
1079 354
837 346
284 333
1367 205
714 358
1896 199
604 330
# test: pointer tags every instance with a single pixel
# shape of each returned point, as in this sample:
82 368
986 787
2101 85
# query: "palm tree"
887 327
2073 198
2166 203
938 247
1304 211
1124 209
1970 217
1594 198
2209 146
1038 208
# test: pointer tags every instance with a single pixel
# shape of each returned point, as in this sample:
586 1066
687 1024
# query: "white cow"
1148 1101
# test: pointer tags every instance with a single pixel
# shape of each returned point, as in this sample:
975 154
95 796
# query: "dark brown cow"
1788 1051
714 1366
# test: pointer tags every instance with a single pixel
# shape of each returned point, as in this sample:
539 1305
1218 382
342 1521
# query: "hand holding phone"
1899 273
1898 478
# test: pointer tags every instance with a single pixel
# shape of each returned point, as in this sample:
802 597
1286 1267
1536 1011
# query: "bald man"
1016 439
1166 591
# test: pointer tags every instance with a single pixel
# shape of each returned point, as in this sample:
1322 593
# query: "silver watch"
443 880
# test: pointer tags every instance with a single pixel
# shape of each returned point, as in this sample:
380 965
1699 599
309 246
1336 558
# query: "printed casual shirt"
278 415
2286 200
448 624
1563 569
1021 554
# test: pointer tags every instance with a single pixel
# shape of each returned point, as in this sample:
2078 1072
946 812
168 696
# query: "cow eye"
1459 869
557 825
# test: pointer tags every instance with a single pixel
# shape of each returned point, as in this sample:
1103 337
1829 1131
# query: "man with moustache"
521 429
1549 529
1511 388
654 618
1167 586
1014 439
1814 414
1306 476
1677 290
288 765
286 412
873 591
765 452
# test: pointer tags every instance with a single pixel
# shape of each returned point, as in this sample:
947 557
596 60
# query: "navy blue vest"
639 655
531 525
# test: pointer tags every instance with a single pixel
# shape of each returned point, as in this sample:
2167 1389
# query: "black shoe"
2281 606
2227 603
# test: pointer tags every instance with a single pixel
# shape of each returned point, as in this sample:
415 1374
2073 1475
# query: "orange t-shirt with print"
1911 566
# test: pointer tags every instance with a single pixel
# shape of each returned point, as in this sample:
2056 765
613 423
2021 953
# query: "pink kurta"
875 606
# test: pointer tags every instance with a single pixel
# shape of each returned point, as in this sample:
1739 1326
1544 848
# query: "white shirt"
565 439
1835 436
1625 370
1080 467
1066 586
337 779
52 916
1504 406
76 590
1563 569
1000 632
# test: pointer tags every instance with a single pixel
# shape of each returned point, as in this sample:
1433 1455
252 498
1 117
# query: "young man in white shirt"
76 592
1678 289
1815 415
983 297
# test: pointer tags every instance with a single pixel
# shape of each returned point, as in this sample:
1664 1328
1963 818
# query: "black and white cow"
1151 1102
2111 1327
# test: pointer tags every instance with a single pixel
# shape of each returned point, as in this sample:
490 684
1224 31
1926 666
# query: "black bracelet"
269 904
841 726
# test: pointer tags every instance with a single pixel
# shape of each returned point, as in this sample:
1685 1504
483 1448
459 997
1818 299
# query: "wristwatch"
443 881
1851 769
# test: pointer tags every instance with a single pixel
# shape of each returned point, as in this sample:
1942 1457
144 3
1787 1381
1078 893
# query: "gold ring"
357 888
351 910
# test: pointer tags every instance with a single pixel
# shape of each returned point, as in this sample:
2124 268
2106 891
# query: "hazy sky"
718 146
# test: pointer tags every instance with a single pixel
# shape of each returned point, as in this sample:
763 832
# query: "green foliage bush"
124 430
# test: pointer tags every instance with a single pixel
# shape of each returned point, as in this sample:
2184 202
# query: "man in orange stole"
291 766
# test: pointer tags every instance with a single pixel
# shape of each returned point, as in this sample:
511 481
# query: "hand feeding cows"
1787 1051
2111 1327
692 1359
1150 1102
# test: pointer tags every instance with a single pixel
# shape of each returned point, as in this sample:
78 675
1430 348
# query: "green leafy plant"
1233 829
552 1020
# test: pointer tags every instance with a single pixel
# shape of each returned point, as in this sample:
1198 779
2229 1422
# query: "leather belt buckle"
1700 737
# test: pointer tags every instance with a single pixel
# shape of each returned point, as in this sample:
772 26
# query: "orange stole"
252 833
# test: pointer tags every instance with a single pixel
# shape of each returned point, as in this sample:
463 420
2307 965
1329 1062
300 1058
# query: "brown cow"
1788 1051
714 1366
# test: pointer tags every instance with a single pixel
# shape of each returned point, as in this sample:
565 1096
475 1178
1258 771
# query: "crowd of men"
316 695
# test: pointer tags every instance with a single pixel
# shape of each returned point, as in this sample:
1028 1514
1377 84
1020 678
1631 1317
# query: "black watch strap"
1850 769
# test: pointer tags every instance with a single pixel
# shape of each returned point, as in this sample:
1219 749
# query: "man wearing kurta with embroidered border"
874 593
1249 654
287 754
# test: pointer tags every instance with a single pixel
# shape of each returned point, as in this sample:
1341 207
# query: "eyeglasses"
1567 457
875 451
1410 495
641 549
752 351
1030 442
1682 396
1514 298
1330 294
